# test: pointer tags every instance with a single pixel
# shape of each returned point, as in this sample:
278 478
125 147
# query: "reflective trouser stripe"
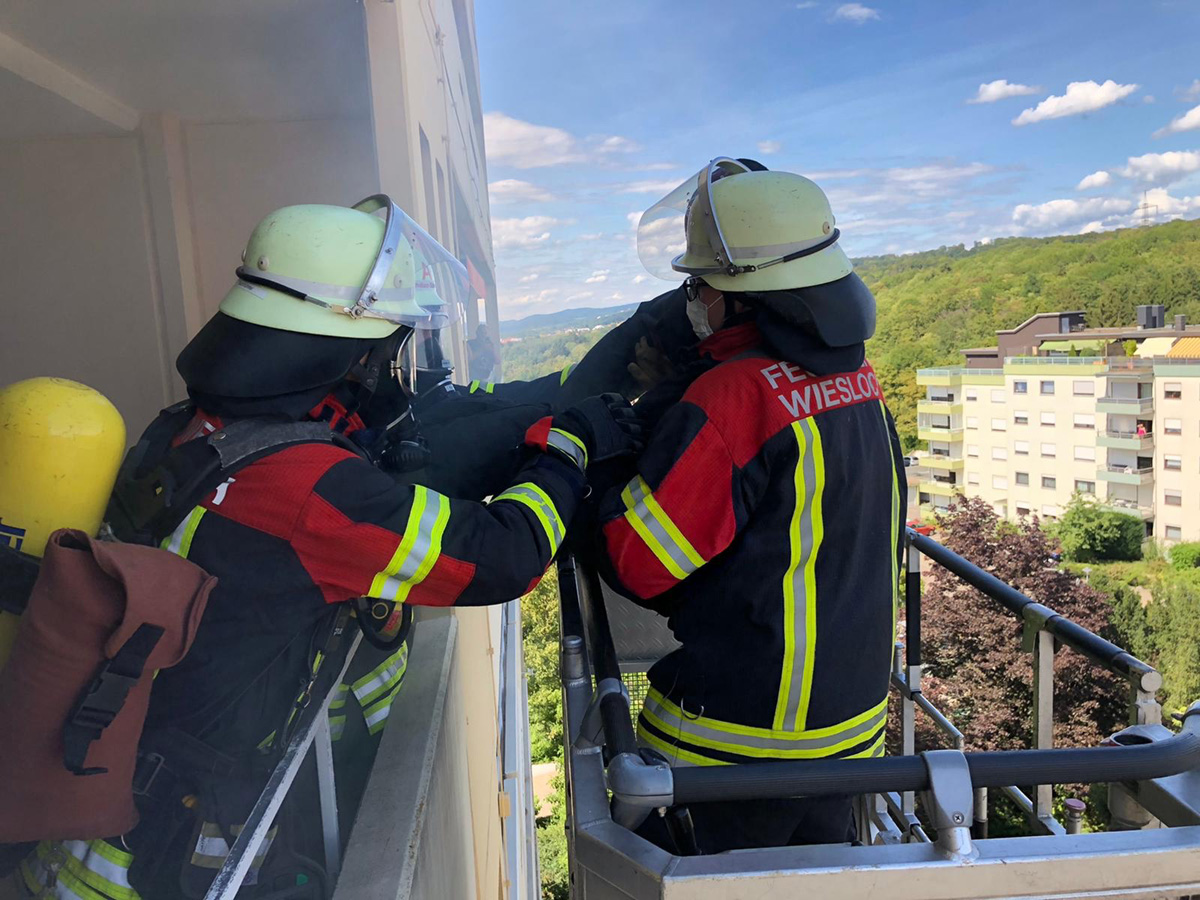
337 727
761 743
87 869
211 849
179 541
533 497
895 549
376 714
486 386
679 757
382 678
657 531
418 550
800 582
566 373
567 443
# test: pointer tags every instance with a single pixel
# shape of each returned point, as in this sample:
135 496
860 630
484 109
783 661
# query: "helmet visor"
442 281
663 231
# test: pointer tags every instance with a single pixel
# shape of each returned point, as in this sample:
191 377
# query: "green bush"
1090 533
1186 556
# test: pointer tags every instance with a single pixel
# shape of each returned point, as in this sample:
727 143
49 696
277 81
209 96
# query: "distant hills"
564 319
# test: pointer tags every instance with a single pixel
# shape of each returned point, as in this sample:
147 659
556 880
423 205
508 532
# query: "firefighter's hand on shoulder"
607 425
650 365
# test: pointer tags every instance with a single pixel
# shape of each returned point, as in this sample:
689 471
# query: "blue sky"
595 110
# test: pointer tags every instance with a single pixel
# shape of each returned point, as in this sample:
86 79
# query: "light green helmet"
329 270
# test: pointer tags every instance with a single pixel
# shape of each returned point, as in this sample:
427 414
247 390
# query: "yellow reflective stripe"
530 495
377 714
895 514
382 678
567 443
486 386
806 531
734 728
66 885
339 699
88 872
677 754
337 727
876 749
418 550
562 377
652 524
819 749
473 387
179 541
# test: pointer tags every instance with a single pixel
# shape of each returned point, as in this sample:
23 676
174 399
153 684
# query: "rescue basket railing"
312 733
599 731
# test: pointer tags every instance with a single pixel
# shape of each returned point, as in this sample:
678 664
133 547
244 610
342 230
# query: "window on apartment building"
1172 426
1049 482
1021 448
972 422
1022 510
1050 512
1085 487
431 215
1173 498
1048 418
1047 387
970 394
1173 390
972 478
1020 387
1087 454
999 453
1083 388
998 395
1022 477
972 449
1049 450
1084 420
1173 533
999 482
999 424
1020 417
1173 463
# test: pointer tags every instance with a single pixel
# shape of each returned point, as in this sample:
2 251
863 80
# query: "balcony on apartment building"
1143 511
939 426
946 405
1125 406
1139 439
941 483
1139 473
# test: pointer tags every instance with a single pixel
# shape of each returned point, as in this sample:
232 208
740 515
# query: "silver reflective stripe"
640 495
560 441
114 873
763 251
760 745
321 289
420 546
801 593
337 727
381 677
543 508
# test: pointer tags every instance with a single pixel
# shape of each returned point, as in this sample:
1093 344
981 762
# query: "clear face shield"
682 232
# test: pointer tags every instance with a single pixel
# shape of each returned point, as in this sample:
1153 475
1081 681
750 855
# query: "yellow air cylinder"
61 444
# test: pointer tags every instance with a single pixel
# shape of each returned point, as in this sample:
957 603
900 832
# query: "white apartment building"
1027 435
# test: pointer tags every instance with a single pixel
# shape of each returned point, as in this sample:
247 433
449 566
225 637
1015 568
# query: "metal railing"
1128 470
1143 404
602 760
313 733
1057 361
1128 435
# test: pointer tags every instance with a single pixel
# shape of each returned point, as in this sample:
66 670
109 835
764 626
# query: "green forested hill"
933 304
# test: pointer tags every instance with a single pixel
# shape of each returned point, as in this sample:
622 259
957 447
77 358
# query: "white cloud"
808 4
597 277
1191 92
1171 207
1149 98
617 144
1095 180
524 145
1162 168
856 13
1188 121
1055 214
545 296
634 219
529 231
1092 227
512 190
1001 90
642 278
660 187
769 147
529 279
1081 97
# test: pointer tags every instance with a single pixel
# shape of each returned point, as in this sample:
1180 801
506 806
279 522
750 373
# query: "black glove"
607 425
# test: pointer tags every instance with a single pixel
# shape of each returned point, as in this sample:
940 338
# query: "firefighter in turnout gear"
305 344
765 518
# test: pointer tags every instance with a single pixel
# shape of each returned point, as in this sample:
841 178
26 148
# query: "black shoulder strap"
159 485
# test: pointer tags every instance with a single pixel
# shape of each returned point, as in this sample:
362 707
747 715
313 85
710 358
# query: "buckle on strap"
104 697
145 772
